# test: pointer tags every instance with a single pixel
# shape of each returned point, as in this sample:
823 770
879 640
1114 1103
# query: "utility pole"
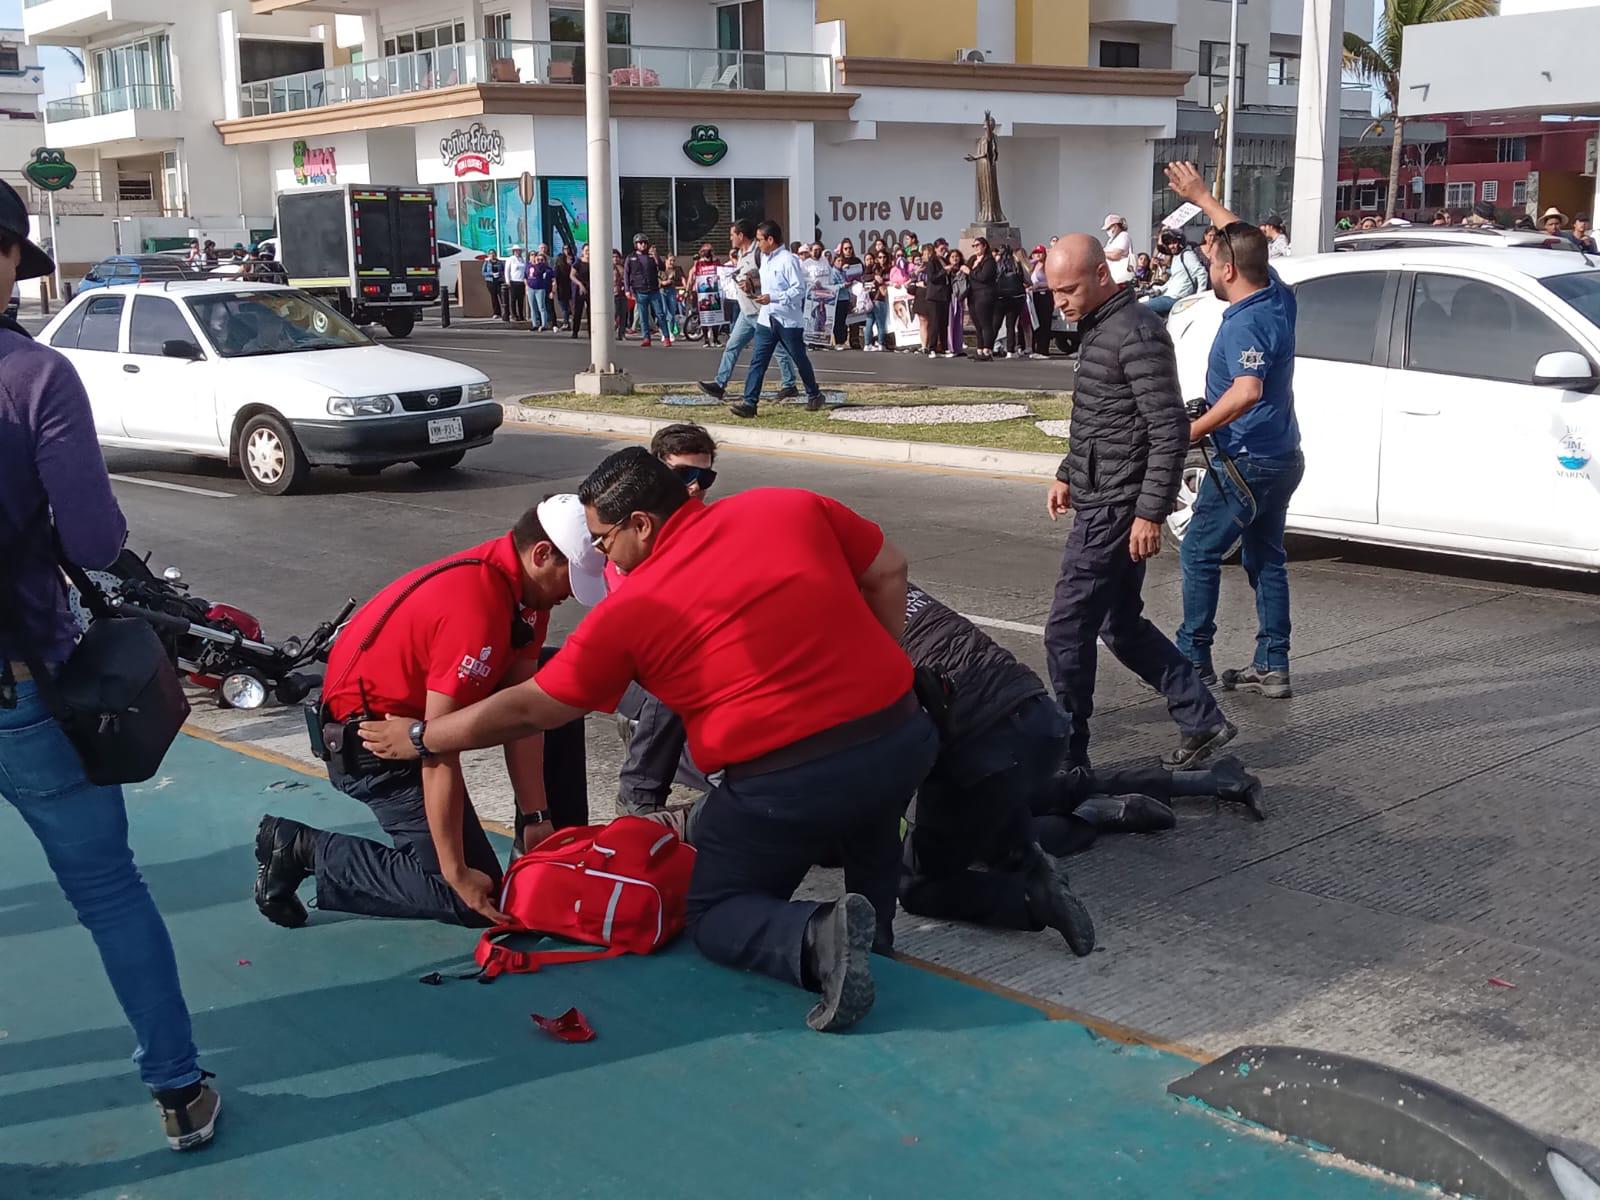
1316 137
1227 119
602 378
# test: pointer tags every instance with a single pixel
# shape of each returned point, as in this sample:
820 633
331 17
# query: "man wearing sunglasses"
770 622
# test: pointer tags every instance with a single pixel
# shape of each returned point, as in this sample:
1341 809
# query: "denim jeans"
877 328
744 332
645 306
667 310
84 832
1224 515
768 338
539 309
1161 305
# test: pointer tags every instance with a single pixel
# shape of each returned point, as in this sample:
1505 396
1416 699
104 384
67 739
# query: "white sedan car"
1446 397
266 377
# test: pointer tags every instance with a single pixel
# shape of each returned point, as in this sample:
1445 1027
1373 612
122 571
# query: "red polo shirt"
451 635
747 621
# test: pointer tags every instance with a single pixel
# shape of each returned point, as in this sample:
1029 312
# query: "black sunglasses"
704 476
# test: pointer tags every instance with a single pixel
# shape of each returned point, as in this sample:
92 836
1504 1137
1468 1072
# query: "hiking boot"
285 855
714 390
741 408
1272 684
816 403
1126 814
1050 900
1194 748
1238 785
836 954
789 393
189 1114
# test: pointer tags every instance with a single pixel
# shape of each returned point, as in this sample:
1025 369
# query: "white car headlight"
361 406
480 391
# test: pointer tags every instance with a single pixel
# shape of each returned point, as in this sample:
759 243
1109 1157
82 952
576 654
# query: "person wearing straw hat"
1552 221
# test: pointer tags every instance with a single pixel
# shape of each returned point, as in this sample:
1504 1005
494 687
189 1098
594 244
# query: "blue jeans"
1160 304
84 832
768 338
539 308
645 306
1223 515
877 331
743 333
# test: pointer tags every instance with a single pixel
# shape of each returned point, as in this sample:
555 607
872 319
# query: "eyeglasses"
601 541
704 476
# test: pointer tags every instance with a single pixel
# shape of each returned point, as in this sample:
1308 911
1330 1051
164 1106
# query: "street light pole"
1233 83
602 378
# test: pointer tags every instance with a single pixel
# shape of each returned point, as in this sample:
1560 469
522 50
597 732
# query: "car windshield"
247 324
1581 289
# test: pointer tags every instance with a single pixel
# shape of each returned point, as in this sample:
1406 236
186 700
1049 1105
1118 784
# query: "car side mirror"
181 348
1565 369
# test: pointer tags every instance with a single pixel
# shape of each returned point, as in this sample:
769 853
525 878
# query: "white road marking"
450 349
997 623
836 371
173 487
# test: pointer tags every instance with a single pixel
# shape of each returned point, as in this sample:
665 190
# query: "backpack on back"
623 887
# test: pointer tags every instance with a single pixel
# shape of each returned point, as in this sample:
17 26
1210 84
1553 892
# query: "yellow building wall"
927 29
1053 32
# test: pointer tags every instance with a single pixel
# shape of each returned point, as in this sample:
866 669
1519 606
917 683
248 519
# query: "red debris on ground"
570 1026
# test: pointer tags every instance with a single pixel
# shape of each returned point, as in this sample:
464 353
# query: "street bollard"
444 308
66 292
44 302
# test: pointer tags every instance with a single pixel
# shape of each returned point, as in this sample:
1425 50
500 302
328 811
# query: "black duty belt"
829 741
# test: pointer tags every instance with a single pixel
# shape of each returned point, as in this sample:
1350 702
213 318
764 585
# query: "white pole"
1233 81
597 97
1316 138
55 243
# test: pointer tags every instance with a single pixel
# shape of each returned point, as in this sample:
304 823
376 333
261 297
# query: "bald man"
1120 477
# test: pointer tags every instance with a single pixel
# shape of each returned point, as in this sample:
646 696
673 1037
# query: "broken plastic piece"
570 1026
1496 981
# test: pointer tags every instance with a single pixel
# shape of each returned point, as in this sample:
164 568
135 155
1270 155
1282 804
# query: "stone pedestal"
614 382
995 235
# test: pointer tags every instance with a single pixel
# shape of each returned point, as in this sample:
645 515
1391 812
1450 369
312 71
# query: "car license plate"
445 429
399 289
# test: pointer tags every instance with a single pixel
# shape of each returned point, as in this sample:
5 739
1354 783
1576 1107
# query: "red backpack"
622 886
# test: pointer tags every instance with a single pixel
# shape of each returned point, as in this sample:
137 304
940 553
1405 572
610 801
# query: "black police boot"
285 855
1126 814
836 954
1052 903
1236 784
1194 748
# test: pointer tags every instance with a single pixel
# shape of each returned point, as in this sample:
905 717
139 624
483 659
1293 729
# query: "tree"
1378 61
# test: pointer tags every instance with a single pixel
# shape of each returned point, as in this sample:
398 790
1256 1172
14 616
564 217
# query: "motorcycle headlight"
243 690
361 406
480 391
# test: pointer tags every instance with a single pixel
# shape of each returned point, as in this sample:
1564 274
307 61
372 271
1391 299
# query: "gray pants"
658 755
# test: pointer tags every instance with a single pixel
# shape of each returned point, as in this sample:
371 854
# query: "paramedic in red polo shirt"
435 640
770 622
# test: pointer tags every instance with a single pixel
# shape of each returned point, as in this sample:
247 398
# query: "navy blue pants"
1100 595
756 837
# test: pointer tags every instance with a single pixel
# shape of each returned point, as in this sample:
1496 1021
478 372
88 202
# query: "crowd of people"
1484 215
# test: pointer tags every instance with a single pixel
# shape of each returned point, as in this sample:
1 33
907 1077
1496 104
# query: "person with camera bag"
50 466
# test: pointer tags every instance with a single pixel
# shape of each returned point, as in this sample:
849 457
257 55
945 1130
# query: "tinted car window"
66 338
1581 289
1338 316
102 319
446 249
155 321
1469 327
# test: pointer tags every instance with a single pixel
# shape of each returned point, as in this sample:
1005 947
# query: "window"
1119 54
1519 194
135 187
497 26
1491 190
566 26
1467 327
264 58
10 61
1511 149
102 321
66 338
427 38
1337 316
1367 197
1283 70
135 75
1460 195
1341 197
1581 289
1214 70
155 322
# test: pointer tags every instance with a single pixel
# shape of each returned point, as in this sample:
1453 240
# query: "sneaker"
644 342
1272 684
1194 748
712 389
838 951
189 1114
947 354
285 856
930 354
1238 785
816 403
666 341
740 408
1050 900
789 393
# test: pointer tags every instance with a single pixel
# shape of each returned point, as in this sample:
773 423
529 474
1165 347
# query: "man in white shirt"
781 295
743 237
1119 247
516 285
1277 239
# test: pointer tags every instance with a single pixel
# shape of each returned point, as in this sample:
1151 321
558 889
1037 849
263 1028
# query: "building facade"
21 84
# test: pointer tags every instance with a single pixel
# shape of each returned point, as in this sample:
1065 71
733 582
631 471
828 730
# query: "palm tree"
1378 61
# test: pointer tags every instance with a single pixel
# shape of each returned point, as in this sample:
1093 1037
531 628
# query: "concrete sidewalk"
344 1078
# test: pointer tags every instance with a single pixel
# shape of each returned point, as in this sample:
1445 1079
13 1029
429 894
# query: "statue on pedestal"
987 156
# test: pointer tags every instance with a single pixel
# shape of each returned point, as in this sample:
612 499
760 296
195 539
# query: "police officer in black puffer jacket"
1129 438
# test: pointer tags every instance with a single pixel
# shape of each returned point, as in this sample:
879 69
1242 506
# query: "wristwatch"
416 731
528 820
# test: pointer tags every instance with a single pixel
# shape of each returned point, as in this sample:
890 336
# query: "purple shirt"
49 455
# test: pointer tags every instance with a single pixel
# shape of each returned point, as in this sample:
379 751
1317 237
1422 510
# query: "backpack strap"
496 959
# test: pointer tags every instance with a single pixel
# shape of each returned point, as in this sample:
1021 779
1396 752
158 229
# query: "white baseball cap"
1114 219
563 520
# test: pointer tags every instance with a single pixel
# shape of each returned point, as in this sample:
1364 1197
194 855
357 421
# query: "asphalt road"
1430 785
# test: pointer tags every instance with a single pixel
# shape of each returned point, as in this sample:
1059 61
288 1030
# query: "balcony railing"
113 100
503 61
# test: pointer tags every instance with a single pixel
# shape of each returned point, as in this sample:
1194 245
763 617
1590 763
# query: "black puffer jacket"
1129 432
987 682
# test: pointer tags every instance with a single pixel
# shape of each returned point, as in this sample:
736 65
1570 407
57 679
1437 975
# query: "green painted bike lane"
342 1076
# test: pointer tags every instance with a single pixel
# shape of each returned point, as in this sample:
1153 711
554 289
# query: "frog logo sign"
705 146
1572 454
49 170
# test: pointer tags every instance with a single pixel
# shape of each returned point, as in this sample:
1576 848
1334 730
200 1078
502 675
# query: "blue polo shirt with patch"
1257 338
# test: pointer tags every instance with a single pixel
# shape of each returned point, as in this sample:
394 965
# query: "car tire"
441 463
1177 524
269 457
400 323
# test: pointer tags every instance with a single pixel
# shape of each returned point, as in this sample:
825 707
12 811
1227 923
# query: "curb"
836 445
